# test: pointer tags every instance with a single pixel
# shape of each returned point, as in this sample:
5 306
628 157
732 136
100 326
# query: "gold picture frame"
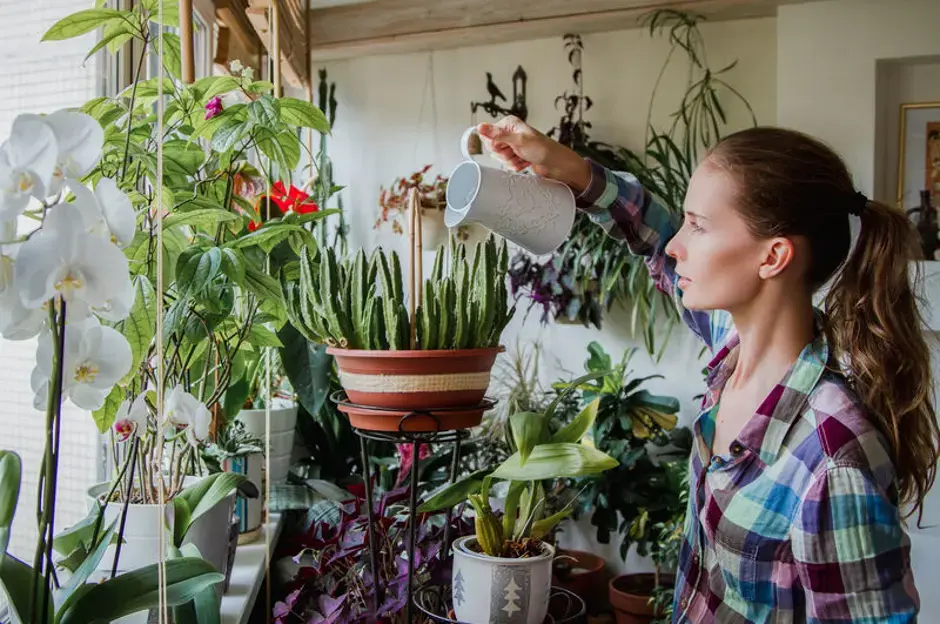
918 141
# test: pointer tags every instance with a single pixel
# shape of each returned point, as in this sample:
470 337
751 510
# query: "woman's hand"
518 145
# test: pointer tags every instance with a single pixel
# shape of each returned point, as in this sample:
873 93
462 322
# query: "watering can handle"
465 147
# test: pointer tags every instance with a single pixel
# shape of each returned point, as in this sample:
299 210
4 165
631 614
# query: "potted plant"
644 496
391 362
503 572
240 452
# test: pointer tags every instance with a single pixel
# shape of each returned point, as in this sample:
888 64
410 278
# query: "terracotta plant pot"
584 574
630 597
407 380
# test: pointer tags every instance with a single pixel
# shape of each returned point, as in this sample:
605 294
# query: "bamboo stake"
186 41
414 264
275 29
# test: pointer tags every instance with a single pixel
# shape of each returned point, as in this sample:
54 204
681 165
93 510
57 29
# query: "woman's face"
721 264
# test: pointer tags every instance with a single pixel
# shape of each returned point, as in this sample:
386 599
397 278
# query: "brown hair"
791 184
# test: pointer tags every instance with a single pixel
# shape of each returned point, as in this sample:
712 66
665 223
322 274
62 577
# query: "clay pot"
584 574
630 597
406 380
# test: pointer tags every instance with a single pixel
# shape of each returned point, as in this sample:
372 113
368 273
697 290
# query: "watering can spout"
531 211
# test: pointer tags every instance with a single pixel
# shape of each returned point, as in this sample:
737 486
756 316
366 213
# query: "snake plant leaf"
551 461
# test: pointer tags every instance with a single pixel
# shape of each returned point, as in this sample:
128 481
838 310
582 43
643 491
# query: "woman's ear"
780 254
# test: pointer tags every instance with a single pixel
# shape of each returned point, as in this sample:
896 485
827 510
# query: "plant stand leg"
412 526
454 465
373 546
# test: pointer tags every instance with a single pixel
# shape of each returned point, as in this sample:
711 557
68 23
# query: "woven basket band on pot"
415 383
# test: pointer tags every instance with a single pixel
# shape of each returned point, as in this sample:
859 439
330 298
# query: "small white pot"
433 229
141 545
283 421
493 590
247 509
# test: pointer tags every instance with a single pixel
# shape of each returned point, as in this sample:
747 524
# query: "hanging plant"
592 271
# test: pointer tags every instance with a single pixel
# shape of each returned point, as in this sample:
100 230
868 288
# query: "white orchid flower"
95 358
181 409
27 162
118 308
107 212
80 140
131 418
16 321
63 259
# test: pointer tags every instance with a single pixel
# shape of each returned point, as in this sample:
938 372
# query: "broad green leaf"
204 217
104 417
667 404
90 564
308 368
182 517
290 147
212 86
570 387
528 429
261 336
16 583
166 201
204 495
235 397
172 56
138 328
511 506
582 423
228 133
599 360
139 591
266 237
456 493
329 490
233 264
10 473
309 217
171 11
541 528
304 115
115 34
262 285
80 23
197 268
265 112
206 128
260 86
148 88
79 534
552 461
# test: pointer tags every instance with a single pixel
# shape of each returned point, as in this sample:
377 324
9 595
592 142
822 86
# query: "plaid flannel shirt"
800 521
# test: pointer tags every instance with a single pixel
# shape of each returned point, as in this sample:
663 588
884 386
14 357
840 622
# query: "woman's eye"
694 227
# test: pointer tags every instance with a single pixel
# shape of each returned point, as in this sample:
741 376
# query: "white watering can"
529 210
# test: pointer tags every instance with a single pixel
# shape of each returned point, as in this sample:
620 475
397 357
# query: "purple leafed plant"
335 584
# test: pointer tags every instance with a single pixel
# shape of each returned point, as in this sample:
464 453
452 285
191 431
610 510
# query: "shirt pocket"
739 566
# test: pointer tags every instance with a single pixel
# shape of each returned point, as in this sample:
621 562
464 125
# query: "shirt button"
736 448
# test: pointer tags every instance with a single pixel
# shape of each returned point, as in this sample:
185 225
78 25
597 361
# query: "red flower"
292 200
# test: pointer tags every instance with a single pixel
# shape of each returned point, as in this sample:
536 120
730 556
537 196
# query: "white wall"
397 113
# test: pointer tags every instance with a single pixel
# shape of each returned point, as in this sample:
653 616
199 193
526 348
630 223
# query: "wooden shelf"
400 26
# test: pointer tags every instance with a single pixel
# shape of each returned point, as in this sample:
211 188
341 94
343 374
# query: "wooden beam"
292 34
399 26
231 13
186 41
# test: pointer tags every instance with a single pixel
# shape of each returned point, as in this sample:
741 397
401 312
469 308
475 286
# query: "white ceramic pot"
493 590
209 532
247 509
531 211
141 545
433 229
283 421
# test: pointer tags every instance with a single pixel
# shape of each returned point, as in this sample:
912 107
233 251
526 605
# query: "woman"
815 426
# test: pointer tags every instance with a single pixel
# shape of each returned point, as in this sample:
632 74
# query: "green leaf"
511 506
308 368
204 217
171 11
104 417
262 285
148 88
261 336
667 404
182 518
80 23
541 528
235 397
139 591
77 536
569 388
552 461
198 267
233 265
455 493
582 423
16 585
228 133
265 112
138 328
204 495
528 429
115 34
10 473
269 235
260 86
309 217
172 56
302 114
90 564
211 86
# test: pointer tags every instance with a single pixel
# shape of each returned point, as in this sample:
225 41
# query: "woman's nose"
674 248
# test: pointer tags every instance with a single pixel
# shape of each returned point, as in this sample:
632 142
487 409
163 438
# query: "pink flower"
213 107
406 454
123 429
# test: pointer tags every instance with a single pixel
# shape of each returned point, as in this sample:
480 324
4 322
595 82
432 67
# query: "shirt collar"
765 431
